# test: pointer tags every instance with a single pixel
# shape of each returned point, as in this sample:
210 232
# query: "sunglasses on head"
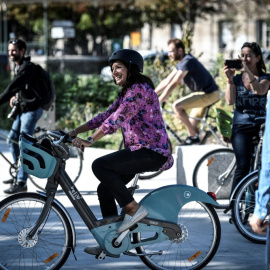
13 41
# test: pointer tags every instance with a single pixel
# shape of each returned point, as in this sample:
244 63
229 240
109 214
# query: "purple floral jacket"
139 117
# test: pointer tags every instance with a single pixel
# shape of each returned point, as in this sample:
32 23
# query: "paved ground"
235 252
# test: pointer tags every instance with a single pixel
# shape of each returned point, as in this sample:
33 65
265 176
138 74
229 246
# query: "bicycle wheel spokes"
196 247
242 210
214 172
47 249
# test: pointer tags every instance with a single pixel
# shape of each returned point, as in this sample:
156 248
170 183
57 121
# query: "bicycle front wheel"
243 205
197 246
73 168
146 175
50 246
214 172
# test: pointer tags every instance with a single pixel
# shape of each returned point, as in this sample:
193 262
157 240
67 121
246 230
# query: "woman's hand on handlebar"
72 133
80 143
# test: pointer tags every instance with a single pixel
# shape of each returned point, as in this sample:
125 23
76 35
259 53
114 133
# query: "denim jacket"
138 115
262 207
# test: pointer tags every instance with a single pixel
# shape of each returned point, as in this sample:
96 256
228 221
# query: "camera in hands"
237 63
15 109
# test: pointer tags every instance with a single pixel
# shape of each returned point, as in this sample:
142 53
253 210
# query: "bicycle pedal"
101 256
120 238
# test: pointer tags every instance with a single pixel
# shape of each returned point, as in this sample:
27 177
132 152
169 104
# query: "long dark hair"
134 77
255 48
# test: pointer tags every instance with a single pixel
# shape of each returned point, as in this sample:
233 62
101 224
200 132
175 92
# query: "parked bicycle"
74 171
214 172
181 231
208 133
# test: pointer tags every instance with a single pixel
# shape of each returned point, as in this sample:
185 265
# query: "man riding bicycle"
193 74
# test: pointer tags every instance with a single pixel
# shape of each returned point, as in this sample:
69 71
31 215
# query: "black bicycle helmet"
127 56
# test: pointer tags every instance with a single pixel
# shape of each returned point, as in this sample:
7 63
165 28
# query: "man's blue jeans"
25 122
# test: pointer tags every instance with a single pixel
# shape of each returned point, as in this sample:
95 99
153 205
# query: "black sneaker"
192 140
9 181
16 188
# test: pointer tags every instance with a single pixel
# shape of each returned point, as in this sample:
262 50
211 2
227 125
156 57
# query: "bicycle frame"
104 230
203 122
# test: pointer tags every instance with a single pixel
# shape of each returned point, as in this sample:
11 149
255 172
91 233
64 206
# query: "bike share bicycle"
215 170
208 131
182 229
74 172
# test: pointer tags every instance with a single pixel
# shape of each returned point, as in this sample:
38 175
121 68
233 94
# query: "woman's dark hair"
134 76
255 48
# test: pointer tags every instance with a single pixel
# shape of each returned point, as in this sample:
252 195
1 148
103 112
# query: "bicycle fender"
67 215
165 203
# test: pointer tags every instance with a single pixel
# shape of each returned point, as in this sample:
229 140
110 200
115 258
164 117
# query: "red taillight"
212 195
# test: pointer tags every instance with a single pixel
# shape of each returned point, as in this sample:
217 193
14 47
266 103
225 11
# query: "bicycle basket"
224 122
36 159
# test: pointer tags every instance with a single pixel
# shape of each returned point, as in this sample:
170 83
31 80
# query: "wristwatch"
91 140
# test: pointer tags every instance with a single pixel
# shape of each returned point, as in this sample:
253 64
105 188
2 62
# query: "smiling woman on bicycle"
247 91
137 112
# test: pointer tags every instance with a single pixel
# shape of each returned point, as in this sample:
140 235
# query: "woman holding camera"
247 91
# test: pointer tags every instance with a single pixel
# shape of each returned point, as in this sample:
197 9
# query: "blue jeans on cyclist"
116 170
24 122
242 138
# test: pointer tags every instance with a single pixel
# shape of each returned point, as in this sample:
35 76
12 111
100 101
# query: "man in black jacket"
26 105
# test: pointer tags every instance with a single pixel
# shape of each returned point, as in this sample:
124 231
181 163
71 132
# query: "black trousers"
117 169
242 136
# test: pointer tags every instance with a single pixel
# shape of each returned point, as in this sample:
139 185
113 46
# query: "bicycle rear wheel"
214 172
243 205
200 239
73 168
48 249
146 175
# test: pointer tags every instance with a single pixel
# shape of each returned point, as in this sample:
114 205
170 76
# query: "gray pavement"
235 252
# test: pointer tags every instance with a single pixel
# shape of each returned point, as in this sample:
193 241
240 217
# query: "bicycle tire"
147 175
197 246
209 172
49 248
243 205
73 168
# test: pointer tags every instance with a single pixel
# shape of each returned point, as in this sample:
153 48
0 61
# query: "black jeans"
242 136
117 169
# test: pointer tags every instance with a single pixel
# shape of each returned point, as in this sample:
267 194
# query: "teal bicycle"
181 231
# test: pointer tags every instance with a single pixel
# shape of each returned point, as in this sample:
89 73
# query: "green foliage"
79 99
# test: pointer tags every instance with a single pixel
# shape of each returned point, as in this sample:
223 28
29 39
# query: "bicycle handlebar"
60 135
